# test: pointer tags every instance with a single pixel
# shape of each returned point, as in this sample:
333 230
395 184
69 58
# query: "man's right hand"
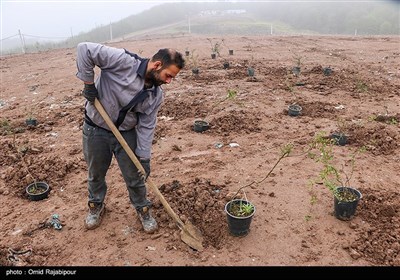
90 92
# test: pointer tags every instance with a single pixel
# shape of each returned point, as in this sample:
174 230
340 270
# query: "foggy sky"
55 19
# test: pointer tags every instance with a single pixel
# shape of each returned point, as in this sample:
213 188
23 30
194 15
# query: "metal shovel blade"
192 236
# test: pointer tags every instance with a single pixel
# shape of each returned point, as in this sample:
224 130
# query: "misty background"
38 26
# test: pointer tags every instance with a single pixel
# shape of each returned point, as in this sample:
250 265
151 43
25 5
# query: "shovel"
189 233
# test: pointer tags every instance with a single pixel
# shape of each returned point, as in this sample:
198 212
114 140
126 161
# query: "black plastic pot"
238 225
230 52
327 71
213 55
195 71
187 53
38 191
31 122
339 138
296 70
250 71
345 210
200 126
226 65
294 110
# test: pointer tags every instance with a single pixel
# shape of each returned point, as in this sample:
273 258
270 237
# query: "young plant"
231 95
250 68
330 175
297 68
21 151
297 59
31 113
229 48
215 47
241 209
193 58
285 152
341 134
294 109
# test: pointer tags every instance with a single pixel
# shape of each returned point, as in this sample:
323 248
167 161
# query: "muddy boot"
95 215
148 222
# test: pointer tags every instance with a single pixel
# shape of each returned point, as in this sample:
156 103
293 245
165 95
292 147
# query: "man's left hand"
145 162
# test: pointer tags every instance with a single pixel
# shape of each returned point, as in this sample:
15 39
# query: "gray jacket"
120 79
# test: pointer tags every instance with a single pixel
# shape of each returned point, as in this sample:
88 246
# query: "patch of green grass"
361 86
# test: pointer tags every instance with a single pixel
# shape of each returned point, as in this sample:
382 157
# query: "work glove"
90 92
145 162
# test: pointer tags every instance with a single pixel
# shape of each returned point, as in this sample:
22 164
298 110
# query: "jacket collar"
143 67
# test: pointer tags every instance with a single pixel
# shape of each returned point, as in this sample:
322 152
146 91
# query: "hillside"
230 18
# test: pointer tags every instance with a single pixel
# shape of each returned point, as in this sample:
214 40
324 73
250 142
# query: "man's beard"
154 78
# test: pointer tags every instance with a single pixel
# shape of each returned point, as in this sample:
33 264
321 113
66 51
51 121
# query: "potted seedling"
239 214
31 118
194 62
250 68
297 68
203 125
226 64
336 179
294 109
340 136
38 191
241 211
200 125
327 71
215 48
230 50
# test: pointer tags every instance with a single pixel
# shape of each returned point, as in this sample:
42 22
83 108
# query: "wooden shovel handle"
137 163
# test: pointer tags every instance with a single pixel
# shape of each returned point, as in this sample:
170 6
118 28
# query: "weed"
332 176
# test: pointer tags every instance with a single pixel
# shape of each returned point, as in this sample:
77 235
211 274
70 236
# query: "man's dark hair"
169 57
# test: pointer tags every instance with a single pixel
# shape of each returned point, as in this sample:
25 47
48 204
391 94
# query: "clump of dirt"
202 203
377 138
378 240
182 109
318 109
235 121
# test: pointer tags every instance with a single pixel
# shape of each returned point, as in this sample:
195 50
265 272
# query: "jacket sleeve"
145 129
90 55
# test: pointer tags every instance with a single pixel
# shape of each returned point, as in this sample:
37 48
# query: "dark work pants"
99 145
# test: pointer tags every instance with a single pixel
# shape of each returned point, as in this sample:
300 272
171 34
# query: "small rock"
156 236
354 254
353 225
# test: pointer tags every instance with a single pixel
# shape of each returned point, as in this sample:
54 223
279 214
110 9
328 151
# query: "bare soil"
197 173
